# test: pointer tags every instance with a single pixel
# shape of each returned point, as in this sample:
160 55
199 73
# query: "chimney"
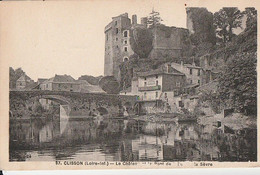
144 21
193 61
134 19
181 65
168 68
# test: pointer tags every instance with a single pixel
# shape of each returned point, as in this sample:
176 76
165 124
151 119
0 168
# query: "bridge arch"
57 98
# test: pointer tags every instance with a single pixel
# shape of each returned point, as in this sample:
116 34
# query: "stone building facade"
23 82
192 72
61 83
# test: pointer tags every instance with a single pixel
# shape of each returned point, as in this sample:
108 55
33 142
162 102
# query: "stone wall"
22 103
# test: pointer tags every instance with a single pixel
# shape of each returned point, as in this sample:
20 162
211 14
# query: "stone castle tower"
117 47
117 42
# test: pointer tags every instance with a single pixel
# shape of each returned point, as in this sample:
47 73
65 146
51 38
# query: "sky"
67 37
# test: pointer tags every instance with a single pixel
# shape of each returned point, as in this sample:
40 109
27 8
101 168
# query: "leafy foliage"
251 21
109 84
225 20
154 19
238 82
202 24
141 41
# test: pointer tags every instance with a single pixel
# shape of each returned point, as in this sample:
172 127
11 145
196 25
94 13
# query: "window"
175 93
116 39
199 81
190 71
107 37
125 49
145 83
178 84
115 23
59 85
156 94
190 81
46 85
144 78
71 86
117 46
156 76
198 72
145 95
157 83
181 104
116 30
125 42
125 33
126 59
165 94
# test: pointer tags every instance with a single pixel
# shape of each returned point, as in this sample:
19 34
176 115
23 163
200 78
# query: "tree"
225 20
251 21
202 25
153 19
109 84
141 41
238 82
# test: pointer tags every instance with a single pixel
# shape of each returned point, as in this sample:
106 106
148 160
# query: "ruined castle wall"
169 42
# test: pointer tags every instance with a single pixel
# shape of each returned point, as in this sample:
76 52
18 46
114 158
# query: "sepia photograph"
93 83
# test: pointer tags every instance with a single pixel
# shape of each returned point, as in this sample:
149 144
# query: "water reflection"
127 140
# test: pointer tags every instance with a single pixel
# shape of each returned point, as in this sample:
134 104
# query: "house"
61 83
157 88
159 83
23 81
191 71
41 80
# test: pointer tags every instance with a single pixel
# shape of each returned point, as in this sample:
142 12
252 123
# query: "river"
127 140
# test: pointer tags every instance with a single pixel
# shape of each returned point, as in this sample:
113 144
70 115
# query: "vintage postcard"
117 84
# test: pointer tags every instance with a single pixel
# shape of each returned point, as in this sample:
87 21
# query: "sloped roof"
192 66
62 78
24 78
83 82
91 89
160 71
40 80
192 85
31 86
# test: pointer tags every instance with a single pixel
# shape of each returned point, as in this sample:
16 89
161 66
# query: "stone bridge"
26 103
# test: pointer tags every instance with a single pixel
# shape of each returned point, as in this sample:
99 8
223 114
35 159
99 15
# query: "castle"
167 41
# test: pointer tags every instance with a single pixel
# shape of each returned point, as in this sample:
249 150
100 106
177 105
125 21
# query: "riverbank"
166 117
235 121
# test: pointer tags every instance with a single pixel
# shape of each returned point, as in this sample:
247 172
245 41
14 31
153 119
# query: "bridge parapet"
22 102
